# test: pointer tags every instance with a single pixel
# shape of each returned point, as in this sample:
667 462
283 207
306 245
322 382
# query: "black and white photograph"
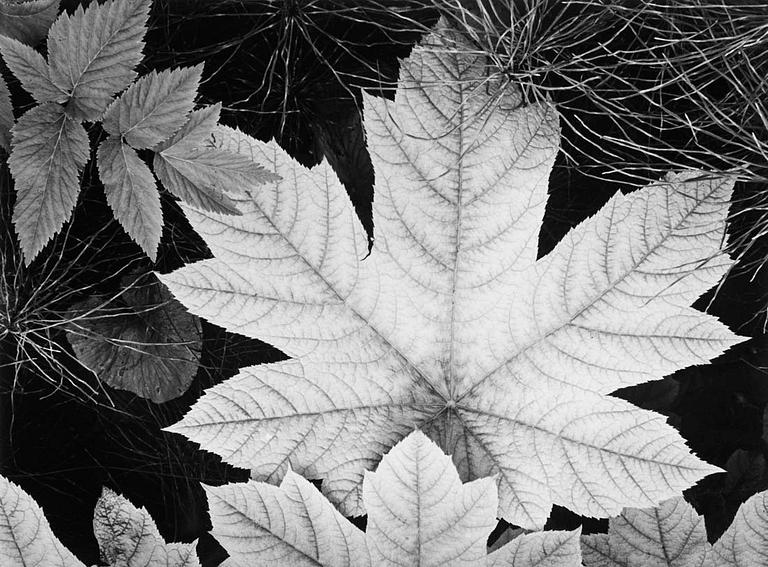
383 283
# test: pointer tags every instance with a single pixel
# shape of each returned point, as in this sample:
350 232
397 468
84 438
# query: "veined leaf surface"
153 108
419 513
25 535
27 21
49 151
131 192
31 69
201 163
452 325
127 536
673 535
93 52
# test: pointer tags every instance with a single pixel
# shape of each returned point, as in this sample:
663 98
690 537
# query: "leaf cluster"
92 55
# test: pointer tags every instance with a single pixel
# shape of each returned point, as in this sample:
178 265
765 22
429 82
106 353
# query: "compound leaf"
131 193
419 513
673 535
196 131
93 53
128 536
26 538
154 107
451 324
145 342
31 69
48 152
27 20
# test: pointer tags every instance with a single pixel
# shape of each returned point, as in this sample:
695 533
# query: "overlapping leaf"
451 324
673 535
194 167
153 108
32 70
27 20
127 535
93 53
419 513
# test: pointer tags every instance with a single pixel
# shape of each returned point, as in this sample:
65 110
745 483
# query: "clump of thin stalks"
34 300
643 87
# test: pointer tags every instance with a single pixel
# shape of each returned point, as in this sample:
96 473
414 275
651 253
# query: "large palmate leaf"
673 535
419 513
451 324
127 535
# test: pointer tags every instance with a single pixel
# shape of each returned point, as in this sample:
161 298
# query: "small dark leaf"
150 345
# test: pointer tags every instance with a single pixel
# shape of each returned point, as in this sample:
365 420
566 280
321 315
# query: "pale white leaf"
128 536
131 193
31 69
419 513
26 539
27 20
745 542
153 108
539 549
93 52
49 151
451 324
673 535
260 524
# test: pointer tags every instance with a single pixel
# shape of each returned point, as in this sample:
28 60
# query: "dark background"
297 76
